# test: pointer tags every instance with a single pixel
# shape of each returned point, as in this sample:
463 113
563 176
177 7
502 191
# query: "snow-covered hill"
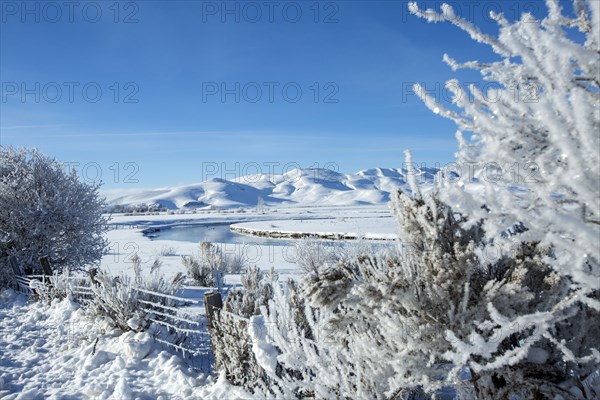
304 187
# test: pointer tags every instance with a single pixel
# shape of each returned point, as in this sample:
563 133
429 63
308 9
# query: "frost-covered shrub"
290 351
167 251
118 298
373 325
114 299
58 286
533 160
136 265
386 325
199 271
233 349
235 263
312 254
533 149
213 256
47 211
257 291
156 282
203 268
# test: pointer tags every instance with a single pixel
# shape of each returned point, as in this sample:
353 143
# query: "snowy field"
127 236
56 351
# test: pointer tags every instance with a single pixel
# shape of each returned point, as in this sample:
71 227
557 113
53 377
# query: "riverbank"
125 244
379 228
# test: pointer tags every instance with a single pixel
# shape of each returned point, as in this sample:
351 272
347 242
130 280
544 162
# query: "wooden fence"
181 331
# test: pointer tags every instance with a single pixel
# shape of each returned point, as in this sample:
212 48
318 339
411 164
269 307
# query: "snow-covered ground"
56 352
129 239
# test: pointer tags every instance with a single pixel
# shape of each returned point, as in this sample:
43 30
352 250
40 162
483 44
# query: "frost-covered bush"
156 282
203 268
47 211
199 271
114 299
312 254
215 259
291 353
235 263
373 325
118 298
58 286
212 256
389 325
533 159
533 149
167 251
257 291
233 349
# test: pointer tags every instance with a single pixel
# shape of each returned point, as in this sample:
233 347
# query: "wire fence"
176 327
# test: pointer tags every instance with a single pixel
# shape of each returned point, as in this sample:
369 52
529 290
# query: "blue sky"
158 93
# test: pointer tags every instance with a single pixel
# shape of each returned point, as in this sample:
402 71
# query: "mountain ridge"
307 186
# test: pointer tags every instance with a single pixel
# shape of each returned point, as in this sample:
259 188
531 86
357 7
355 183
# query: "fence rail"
232 315
23 284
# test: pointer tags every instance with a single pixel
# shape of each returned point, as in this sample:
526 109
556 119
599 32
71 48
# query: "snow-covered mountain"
298 186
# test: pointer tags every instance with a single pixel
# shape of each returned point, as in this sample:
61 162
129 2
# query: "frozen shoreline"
248 229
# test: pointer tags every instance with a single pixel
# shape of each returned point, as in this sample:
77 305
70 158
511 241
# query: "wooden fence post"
16 270
212 303
93 272
45 263
46 268
15 265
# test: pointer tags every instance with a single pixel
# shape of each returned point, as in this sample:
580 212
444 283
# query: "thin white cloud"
15 127
211 133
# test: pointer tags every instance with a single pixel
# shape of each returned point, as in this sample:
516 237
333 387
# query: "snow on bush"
533 160
205 268
199 271
58 286
229 337
293 350
310 255
387 325
313 254
117 298
114 299
373 325
47 211
166 251
544 145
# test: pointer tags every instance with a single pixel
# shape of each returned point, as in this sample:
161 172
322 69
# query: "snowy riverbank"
371 221
342 228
